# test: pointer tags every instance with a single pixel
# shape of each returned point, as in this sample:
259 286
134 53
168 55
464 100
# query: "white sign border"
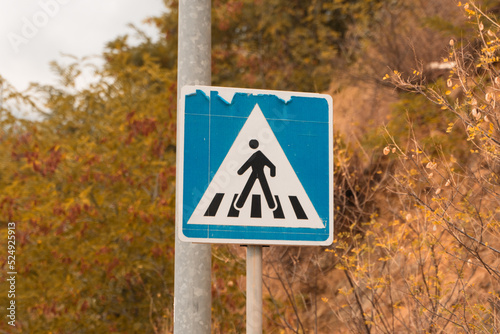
284 95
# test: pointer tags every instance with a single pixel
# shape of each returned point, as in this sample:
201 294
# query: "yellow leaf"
84 193
68 203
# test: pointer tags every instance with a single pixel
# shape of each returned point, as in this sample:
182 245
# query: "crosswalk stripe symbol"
299 212
214 205
278 212
256 185
255 211
232 210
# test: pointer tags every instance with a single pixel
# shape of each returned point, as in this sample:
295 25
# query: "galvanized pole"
192 291
254 290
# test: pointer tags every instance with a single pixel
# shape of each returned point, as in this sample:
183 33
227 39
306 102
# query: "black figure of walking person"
257 162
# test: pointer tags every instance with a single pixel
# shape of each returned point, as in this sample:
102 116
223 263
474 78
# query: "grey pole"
192 282
254 289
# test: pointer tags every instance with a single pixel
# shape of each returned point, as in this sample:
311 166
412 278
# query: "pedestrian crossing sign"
254 167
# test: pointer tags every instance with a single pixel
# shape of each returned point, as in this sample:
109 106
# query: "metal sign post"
192 290
254 289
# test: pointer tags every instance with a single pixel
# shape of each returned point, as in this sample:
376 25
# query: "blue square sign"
254 167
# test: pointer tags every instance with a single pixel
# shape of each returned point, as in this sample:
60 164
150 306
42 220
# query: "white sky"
35 32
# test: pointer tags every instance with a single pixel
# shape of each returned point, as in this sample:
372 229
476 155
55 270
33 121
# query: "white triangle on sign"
221 203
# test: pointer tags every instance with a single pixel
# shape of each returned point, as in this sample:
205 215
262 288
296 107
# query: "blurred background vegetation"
91 184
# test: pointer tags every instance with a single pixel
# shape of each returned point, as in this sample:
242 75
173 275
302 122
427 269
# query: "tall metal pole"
254 289
192 290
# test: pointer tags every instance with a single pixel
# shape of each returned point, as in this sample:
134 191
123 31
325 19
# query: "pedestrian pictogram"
255 167
257 162
261 169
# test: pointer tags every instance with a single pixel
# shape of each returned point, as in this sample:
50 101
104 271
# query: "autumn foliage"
91 182
91 190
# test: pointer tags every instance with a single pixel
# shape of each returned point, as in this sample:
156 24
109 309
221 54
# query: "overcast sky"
35 32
